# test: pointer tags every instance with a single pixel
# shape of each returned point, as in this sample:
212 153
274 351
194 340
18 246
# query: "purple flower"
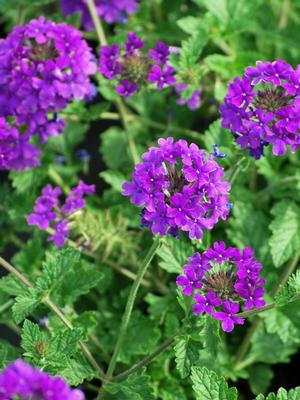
262 108
133 43
109 10
216 152
16 152
160 54
43 67
162 76
133 68
193 102
126 88
61 233
180 187
228 317
47 210
20 380
222 279
205 303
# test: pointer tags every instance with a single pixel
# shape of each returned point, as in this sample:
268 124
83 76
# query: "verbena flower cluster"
134 68
222 280
43 66
180 187
47 210
20 381
263 107
109 10
193 102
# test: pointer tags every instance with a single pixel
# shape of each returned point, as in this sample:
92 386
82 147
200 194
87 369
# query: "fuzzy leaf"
136 387
209 386
173 254
285 227
289 290
282 394
186 354
25 304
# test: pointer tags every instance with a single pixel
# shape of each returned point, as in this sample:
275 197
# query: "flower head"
21 380
109 10
133 68
262 108
222 279
47 210
43 66
180 187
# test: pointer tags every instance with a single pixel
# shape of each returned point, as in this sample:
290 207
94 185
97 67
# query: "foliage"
73 307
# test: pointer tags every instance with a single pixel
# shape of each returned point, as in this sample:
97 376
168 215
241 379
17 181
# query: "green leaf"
30 256
190 24
261 376
285 227
136 387
192 48
277 322
269 349
173 254
12 286
26 180
218 8
209 386
8 354
114 178
65 342
34 341
114 148
282 394
186 354
141 338
289 290
26 303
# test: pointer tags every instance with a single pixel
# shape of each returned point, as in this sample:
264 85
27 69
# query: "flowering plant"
149 200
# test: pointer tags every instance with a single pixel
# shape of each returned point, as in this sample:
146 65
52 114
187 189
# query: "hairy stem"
97 22
58 313
244 346
147 360
130 302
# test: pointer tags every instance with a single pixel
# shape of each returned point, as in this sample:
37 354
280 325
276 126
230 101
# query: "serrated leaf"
261 376
282 394
285 227
186 354
192 48
65 342
208 385
136 387
114 148
12 286
277 322
26 303
289 290
34 341
173 254
26 180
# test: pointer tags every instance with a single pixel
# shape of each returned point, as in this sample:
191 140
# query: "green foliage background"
217 40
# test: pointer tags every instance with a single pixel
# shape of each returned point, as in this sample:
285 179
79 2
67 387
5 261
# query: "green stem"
6 305
56 178
58 313
130 302
119 102
147 360
97 22
244 346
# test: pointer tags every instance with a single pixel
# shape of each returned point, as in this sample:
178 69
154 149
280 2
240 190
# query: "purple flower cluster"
180 187
47 210
133 68
222 280
263 107
109 10
21 381
43 66
193 102
15 152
